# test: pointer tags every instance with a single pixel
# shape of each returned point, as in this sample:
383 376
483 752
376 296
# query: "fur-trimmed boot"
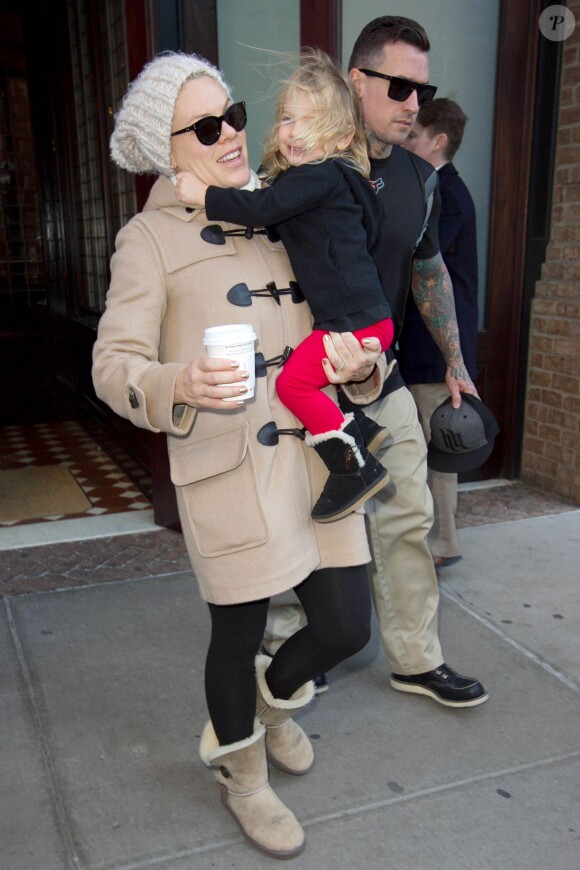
242 774
287 746
373 434
355 474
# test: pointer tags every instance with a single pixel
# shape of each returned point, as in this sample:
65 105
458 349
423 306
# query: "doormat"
39 491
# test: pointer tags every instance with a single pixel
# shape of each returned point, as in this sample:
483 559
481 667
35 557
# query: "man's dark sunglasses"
401 89
208 130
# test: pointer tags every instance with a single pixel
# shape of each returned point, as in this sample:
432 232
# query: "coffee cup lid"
229 333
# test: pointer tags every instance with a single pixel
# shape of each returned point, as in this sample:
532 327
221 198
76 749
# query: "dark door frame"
321 26
503 342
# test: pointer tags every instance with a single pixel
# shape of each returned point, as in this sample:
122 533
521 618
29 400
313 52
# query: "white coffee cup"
234 341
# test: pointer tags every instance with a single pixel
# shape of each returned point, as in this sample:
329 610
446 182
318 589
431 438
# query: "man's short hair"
444 116
368 48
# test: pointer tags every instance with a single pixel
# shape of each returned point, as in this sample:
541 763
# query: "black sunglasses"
401 89
208 130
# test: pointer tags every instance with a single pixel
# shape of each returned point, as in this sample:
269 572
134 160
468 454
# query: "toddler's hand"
189 188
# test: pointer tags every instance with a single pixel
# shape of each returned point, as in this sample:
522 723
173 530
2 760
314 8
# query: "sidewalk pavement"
102 706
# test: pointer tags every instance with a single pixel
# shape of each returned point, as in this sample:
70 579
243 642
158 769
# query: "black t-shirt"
399 183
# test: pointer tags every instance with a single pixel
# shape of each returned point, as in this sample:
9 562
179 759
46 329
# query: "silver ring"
343 366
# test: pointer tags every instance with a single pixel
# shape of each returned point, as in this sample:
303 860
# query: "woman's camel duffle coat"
244 507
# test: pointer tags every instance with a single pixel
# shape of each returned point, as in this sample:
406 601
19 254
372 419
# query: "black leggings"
337 605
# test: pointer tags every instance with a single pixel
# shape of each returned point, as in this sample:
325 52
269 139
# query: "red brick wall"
551 456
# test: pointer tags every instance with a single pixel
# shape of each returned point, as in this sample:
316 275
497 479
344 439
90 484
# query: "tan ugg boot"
242 774
288 747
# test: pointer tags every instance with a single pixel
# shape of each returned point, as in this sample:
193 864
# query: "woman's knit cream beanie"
141 140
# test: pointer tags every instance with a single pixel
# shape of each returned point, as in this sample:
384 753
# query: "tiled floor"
158 552
108 488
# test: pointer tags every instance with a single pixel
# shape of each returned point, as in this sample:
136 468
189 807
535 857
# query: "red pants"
300 382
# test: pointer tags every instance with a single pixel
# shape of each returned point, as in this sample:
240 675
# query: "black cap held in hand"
461 438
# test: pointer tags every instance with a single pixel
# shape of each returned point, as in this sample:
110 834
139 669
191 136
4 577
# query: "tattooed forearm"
433 296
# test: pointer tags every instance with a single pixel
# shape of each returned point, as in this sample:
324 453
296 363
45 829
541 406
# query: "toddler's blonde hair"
336 111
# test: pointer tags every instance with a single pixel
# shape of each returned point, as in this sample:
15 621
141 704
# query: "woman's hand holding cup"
206 383
224 378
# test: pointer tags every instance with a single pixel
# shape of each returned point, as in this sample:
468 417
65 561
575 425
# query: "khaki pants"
285 617
442 539
404 583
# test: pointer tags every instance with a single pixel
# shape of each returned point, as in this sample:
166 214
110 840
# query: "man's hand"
458 381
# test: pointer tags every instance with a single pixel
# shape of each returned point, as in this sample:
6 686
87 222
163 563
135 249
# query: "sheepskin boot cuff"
355 474
337 436
287 745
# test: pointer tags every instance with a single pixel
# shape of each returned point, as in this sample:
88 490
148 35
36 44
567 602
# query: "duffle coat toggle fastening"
278 361
216 235
268 434
241 295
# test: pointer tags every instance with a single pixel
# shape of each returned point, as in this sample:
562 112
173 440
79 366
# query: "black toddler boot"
355 475
374 435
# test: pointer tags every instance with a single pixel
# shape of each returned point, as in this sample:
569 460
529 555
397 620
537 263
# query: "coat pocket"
218 493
